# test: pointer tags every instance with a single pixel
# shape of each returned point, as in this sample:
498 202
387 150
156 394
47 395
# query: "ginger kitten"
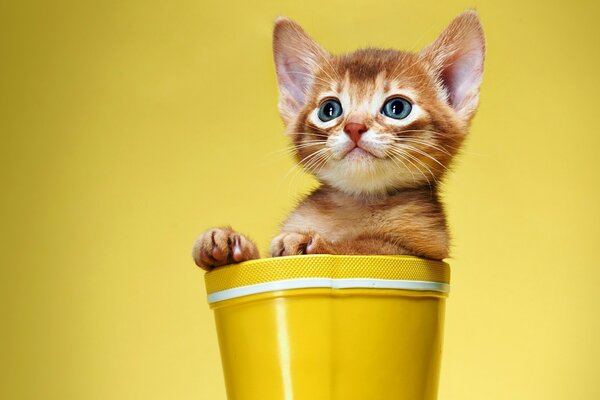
379 129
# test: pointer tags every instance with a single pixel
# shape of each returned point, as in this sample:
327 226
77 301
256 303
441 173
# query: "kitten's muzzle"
355 130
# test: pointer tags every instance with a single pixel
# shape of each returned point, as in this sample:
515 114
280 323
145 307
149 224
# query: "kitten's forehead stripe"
386 85
360 74
367 64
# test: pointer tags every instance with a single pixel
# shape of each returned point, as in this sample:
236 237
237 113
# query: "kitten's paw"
294 243
220 246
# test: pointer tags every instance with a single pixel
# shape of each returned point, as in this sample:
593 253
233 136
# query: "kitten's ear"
297 56
456 60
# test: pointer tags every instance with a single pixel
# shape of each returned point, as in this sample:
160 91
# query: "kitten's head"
375 121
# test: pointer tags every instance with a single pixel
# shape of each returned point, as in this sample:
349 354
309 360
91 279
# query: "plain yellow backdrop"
128 127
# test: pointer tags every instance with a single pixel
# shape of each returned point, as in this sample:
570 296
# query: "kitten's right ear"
456 59
297 56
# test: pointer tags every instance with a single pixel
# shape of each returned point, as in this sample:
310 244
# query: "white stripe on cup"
351 283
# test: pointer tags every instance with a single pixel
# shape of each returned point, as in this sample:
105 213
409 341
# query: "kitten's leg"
294 243
220 246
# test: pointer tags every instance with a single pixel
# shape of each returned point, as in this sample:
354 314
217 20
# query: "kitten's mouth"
359 153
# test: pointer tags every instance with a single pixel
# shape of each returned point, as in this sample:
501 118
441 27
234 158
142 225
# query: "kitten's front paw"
220 246
294 243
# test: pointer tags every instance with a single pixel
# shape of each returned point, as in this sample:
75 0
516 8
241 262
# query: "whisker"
308 145
396 156
320 130
298 167
310 142
291 149
308 157
404 154
423 142
326 160
424 166
279 154
409 147
313 162
297 171
316 161
440 134
423 131
308 133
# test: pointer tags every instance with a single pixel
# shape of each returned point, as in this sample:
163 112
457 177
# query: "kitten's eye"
397 108
329 110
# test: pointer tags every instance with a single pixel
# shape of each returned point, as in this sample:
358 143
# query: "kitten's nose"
354 130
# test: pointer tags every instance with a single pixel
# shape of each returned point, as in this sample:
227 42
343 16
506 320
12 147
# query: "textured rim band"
305 283
327 271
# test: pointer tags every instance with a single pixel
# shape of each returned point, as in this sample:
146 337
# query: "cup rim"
335 272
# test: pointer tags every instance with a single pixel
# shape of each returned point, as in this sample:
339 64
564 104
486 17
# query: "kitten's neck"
424 192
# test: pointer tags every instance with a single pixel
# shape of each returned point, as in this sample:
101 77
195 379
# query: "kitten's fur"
379 175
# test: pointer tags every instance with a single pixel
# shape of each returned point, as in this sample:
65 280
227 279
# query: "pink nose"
354 130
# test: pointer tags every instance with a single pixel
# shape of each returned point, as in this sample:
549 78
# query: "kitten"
379 129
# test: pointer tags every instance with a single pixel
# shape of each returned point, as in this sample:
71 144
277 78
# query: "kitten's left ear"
297 57
456 60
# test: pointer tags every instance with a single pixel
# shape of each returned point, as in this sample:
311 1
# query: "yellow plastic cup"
326 327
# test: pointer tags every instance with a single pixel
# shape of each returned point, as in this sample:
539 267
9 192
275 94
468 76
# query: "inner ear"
456 58
297 56
462 72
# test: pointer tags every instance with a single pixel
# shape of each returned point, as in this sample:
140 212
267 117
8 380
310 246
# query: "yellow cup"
326 327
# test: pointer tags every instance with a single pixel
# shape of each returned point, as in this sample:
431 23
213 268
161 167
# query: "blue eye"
396 108
329 110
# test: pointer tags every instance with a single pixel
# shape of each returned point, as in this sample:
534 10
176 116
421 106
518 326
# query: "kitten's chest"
338 223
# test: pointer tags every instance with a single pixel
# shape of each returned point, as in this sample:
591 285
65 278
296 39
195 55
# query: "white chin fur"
369 176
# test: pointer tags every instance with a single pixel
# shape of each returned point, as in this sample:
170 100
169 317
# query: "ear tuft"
297 56
456 59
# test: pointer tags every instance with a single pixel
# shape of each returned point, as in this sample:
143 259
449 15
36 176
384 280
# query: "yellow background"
128 127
